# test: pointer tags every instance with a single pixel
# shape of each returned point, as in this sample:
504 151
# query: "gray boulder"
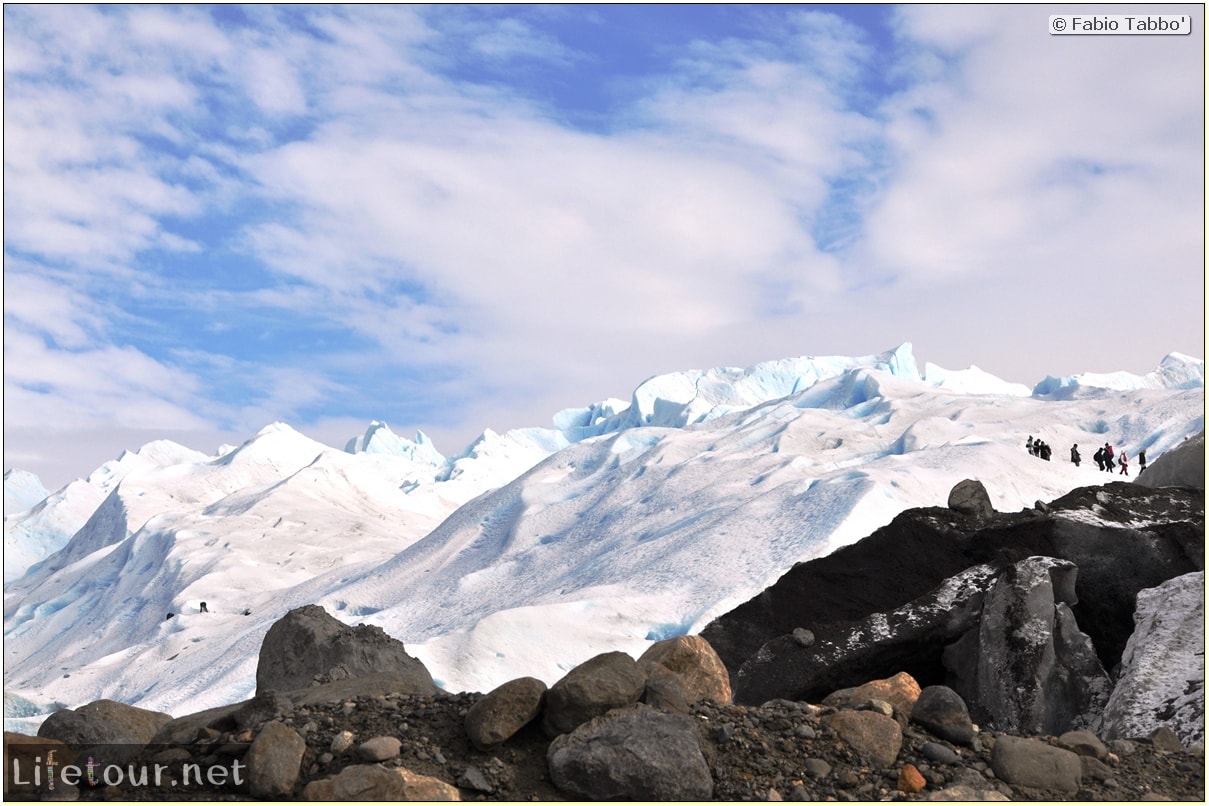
104 722
72 727
596 686
1035 764
308 646
1035 671
970 496
636 753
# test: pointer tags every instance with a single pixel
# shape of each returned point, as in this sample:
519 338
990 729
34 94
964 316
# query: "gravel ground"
777 751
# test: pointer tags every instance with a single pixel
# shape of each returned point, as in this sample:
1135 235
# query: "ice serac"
378 438
678 399
22 491
1175 371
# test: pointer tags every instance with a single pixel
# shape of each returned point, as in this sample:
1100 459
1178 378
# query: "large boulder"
971 497
104 722
942 712
1162 679
596 686
875 737
694 663
636 753
139 724
307 646
504 710
1035 764
274 761
1034 671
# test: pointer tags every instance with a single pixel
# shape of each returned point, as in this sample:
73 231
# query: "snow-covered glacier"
533 549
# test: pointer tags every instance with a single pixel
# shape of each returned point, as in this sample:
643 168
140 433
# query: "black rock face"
1121 537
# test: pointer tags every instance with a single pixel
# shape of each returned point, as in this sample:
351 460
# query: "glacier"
531 550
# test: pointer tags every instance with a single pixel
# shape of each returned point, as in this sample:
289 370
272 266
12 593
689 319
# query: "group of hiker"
1039 449
1105 458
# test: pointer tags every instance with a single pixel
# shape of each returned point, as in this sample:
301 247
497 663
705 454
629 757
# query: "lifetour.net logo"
40 770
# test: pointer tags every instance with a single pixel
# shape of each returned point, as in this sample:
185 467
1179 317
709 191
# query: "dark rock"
816 768
596 686
970 496
911 556
104 722
939 753
1122 537
942 712
474 778
308 646
862 650
72 727
635 753
1036 672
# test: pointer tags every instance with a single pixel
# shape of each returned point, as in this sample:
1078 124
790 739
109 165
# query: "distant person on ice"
1109 464
203 608
1124 464
1099 457
1141 461
1028 446
1074 454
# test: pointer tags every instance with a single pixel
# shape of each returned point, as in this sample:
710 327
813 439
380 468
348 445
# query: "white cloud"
468 229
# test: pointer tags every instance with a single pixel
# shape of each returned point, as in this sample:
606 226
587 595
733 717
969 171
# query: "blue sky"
458 218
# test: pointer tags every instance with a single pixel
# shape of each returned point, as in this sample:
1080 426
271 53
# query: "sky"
454 218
